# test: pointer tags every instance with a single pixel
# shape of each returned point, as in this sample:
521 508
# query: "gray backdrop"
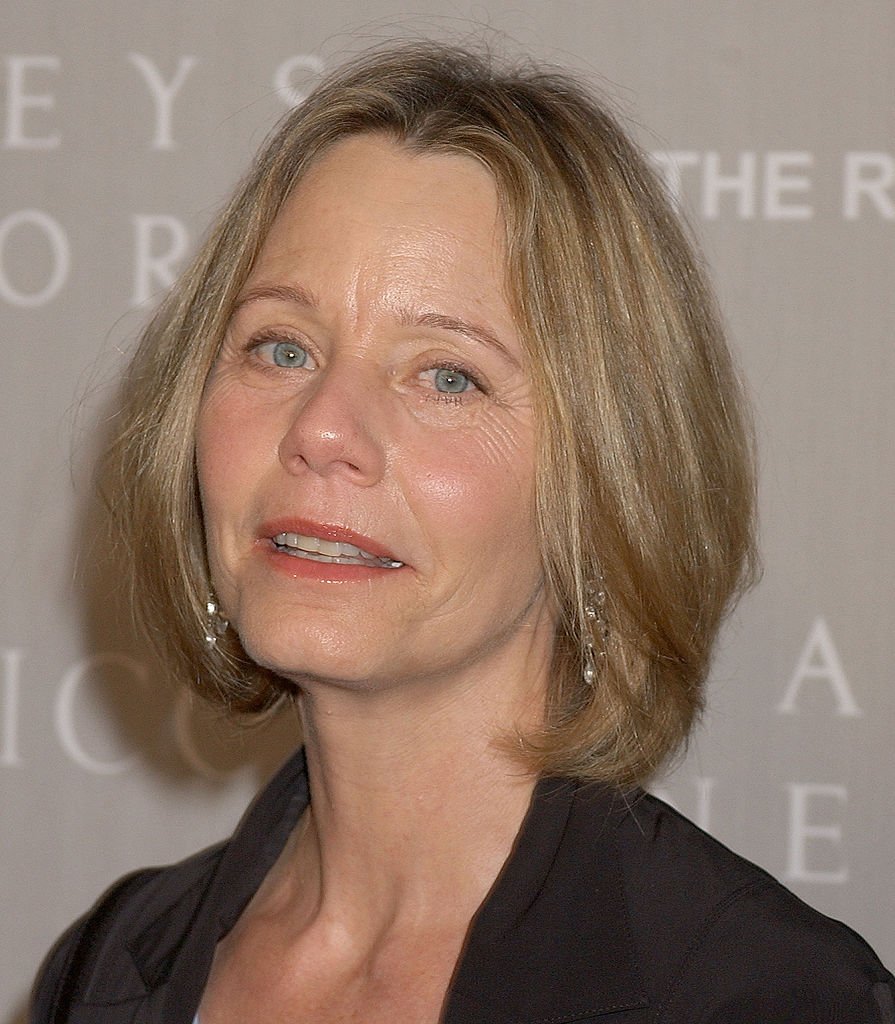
123 128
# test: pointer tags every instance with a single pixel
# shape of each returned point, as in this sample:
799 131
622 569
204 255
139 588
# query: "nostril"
329 434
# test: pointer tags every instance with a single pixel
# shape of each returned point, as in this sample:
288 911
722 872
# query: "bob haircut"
645 484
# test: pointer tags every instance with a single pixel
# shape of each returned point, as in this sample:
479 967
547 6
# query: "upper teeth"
332 548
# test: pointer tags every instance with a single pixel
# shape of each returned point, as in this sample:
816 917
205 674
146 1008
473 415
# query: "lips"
333 551
326 543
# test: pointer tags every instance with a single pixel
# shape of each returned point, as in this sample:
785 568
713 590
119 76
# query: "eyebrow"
299 296
475 332
295 294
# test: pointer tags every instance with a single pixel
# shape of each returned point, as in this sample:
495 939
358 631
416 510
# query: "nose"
333 428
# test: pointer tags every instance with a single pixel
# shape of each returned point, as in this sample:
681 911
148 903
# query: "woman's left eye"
285 354
449 380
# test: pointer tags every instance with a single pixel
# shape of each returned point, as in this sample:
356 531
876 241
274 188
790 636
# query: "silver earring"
595 611
589 672
215 623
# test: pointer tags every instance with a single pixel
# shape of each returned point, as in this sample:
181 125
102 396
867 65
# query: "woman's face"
372 394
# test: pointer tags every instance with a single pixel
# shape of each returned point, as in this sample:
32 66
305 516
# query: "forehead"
373 192
376 225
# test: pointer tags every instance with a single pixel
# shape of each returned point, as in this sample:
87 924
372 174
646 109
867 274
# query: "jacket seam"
699 938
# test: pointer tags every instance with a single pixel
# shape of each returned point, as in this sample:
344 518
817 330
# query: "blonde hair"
645 474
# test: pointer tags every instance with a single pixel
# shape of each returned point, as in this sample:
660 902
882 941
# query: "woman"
442 419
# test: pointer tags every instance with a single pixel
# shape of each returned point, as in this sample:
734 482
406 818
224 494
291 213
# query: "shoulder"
150 908
158 927
714 931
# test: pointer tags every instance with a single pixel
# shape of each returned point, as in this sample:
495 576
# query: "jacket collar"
246 860
550 943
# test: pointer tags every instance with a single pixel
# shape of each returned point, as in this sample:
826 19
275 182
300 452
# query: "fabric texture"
611 907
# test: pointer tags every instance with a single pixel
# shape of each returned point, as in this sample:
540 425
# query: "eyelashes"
447 380
286 353
452 380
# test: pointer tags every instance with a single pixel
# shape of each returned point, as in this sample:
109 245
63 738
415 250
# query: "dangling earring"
589 672
215 623
595 611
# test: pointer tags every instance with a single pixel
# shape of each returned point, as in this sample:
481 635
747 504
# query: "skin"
405 416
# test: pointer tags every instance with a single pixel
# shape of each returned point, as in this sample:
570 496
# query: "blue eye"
285 354
452 382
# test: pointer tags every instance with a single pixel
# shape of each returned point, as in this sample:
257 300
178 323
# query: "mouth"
334 552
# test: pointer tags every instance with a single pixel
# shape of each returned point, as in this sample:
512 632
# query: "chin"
303 656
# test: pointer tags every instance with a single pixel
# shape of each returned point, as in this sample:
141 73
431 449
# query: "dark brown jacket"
611 909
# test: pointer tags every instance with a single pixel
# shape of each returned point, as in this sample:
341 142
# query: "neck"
415 797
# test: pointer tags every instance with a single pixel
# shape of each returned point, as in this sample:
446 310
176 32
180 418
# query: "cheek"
233 436
478 487
215 461
230 454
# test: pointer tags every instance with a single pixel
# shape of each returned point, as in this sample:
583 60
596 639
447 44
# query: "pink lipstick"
323 551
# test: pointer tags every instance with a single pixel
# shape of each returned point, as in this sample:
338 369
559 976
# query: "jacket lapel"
182 970
551 943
